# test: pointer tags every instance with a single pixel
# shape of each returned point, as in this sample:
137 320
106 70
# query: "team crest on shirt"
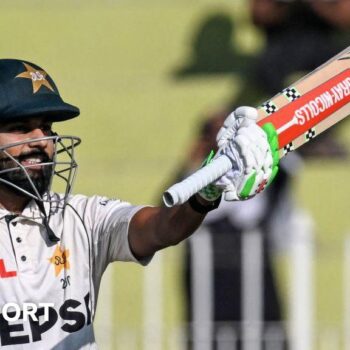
60 259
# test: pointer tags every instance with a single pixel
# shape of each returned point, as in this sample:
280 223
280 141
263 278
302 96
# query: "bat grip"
182 191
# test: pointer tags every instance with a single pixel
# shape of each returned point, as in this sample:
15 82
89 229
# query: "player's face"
30 154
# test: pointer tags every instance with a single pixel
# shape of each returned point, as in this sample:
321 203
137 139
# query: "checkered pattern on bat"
310 134
269 107
291 93
288 148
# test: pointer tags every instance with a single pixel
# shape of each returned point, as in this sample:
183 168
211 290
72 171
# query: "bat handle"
182 191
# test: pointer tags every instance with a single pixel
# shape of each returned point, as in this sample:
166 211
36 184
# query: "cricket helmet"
27 91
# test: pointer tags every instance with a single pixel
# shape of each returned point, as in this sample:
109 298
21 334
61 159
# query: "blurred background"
153 79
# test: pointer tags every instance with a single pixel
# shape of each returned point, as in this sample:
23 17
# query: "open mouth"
33 161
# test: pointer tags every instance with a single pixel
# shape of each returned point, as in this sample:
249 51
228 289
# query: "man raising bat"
54 247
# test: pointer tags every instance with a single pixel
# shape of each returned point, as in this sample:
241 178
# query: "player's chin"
34 181
36 172
36 185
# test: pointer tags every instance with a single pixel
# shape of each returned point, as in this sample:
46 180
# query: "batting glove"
253 152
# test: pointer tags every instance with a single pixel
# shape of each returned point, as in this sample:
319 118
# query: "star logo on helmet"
38 77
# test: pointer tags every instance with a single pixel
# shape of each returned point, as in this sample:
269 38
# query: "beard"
19 178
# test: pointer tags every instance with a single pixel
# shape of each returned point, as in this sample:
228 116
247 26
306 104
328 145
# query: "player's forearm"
153 229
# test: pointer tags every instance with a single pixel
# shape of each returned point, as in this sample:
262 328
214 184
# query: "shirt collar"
30 212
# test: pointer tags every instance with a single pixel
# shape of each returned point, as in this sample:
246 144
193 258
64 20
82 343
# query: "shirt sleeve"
109 220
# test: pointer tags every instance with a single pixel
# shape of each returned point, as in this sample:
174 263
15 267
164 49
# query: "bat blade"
310 105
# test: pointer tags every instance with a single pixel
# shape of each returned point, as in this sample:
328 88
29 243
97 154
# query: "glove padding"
253 152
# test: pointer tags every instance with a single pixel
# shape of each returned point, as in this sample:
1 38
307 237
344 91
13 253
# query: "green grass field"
113 58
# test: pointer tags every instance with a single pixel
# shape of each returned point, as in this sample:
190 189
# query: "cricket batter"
54 247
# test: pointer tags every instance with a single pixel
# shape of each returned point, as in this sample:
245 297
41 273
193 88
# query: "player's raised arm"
254 158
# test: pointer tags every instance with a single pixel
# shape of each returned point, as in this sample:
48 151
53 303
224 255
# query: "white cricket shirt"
93 232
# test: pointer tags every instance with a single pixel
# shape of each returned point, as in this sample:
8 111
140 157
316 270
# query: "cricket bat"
299 113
